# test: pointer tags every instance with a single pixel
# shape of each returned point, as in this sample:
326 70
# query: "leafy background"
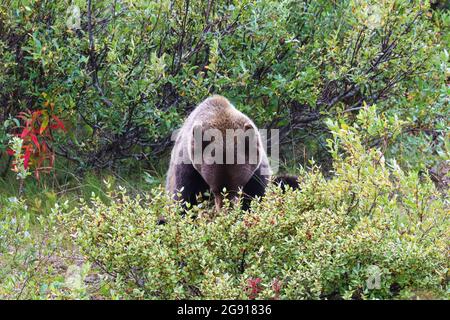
339 79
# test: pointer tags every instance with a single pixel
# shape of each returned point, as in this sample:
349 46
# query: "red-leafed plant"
276 287
253 287
37 131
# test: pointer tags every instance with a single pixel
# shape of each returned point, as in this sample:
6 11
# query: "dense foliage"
91 91
127 73
321 241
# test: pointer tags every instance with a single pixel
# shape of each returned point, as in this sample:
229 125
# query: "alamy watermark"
234 146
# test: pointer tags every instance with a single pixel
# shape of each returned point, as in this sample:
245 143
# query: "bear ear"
248 126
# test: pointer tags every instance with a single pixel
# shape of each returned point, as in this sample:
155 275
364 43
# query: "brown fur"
188 179
286 180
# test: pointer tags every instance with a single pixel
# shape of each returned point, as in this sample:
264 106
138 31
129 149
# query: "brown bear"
218 148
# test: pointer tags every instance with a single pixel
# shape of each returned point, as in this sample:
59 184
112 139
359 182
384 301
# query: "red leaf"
36 114
24 133
35 141
23 115
60 124
26 158
10 152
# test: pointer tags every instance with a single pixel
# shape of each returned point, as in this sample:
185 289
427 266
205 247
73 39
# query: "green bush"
37 260
27 242
371 231
127 76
